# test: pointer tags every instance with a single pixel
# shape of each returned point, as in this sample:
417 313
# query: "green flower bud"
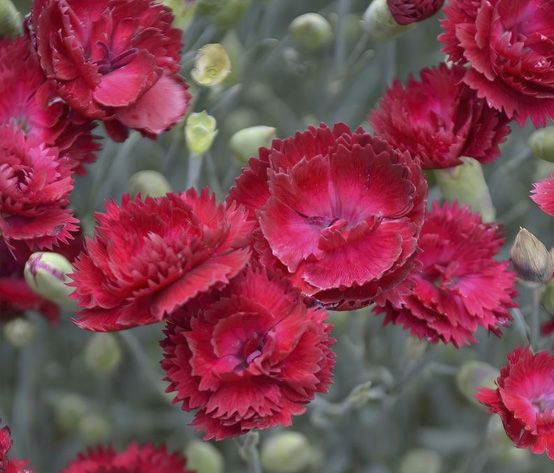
200 132
466 184
149 184
547 298
286 452
69 411
541 143
212 65
531 260
311 32
474 375
421 460
246 143
225 13
203 457
94 429
10 20
20 332
183 10
46 274
102 353
379 23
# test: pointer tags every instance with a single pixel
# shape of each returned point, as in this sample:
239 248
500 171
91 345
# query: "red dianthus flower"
339 213
405 12
250 358
7 465
459 286
439 119
509 45
28 103
34 189
135 459
543 194
150 257
114 60
523 400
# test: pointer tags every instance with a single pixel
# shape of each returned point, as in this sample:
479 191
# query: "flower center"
543 403
251 349
111 62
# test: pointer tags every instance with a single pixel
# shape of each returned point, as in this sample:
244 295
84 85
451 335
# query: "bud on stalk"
148 184
286 452
203 457
379 23
102 353
246 143
541 143
531 260
200 132
10 20
20 332
212 65
466 184
311 32
473 375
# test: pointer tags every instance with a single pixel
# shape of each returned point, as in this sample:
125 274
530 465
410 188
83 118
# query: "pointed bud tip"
530 258
200 132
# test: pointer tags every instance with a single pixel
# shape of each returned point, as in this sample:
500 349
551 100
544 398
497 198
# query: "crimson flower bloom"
135 459
508 44
543 194
459 286
250 358
28 103
7 465
523 400
439 119
150 257
339 213
34 190
114 60
405 12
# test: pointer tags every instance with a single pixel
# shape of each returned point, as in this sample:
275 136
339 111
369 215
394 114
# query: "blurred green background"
58 401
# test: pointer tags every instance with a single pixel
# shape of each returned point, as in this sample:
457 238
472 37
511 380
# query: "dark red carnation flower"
509 45
405 12
9 465
523 400
35 184
339 213
150 257
114 60
135 459
543 194
439 119
249 357
28 103
459 286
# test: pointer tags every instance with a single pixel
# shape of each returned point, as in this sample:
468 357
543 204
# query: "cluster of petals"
543 195
35 183
439 119
88 49
524 400
508 45
339 213
459 285
8 465
249 357
406 12
135 459
28 103
150 257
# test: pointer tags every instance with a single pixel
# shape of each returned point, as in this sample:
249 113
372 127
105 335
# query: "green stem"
249 451
194 170
535 319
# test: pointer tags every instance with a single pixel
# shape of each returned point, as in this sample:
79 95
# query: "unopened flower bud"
225 13
69 412
46 273
203 457
474 375
379 23
311 32
102 353
466 184
246 143
531 260
20 332
286 452
183 10
10 20
149 184
94 429
212 65
421 460
200 132
541 143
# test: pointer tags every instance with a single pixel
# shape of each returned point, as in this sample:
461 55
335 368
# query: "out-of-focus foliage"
57 404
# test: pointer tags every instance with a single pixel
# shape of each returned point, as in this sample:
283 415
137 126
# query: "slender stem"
535 321
194 170
340 45
249 451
